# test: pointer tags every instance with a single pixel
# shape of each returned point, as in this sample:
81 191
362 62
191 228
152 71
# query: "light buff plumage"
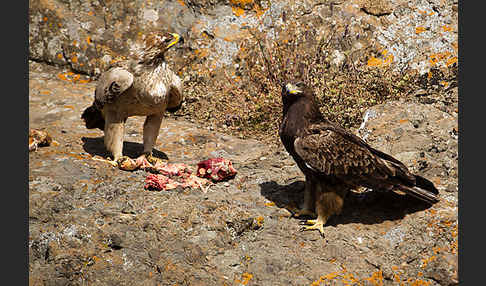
142 85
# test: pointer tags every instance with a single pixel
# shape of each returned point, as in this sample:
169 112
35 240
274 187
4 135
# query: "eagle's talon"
126 163
152 159
314 224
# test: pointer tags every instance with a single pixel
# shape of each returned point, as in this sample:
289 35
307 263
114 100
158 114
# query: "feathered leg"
308 209
114 132
151 129
328 203
175 94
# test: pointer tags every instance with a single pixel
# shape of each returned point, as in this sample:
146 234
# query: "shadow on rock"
366 208
96 146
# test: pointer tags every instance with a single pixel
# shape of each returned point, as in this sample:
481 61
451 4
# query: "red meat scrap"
159 182
216 169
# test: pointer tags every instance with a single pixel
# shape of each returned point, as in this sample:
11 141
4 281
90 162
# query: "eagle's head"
300 95
292 91
157 43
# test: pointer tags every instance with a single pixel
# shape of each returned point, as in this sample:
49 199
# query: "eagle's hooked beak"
175 41
292 89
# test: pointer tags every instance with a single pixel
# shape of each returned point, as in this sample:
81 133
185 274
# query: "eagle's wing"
111 84
332 150
175 92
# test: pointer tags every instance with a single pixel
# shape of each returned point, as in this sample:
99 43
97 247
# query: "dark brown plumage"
335 160
142 85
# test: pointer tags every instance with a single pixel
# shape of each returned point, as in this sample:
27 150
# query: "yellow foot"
314 224
111 162
126 163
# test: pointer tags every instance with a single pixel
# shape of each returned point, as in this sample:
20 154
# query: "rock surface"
88 35
90 223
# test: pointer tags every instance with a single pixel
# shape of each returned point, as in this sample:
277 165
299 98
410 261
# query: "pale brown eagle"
335 160
142 85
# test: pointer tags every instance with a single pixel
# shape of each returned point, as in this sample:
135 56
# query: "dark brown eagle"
142 85
335 160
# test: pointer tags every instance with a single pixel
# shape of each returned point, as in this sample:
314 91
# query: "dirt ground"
93 224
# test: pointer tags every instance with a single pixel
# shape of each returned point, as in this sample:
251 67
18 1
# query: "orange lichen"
245 278
88 40
181 2
74 59
241 2
451 61
260 220
376 278
387 59
373 62
59 56
238 11
201 52
426 261
419 30
444 83
270 204
446 28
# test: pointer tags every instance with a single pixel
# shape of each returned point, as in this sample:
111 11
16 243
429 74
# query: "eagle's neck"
304 111
297 115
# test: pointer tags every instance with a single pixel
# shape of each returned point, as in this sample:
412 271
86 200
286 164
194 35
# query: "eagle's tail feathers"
93 118
423 190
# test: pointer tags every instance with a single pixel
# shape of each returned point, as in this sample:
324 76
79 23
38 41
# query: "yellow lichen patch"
270 204
74 59
419 30
59 56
